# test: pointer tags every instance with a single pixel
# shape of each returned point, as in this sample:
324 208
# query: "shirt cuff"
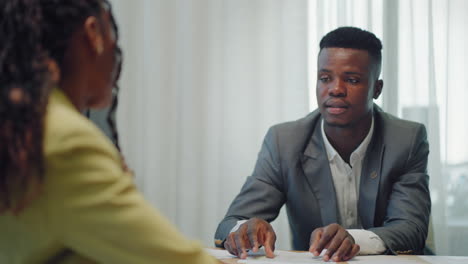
369 242
239 223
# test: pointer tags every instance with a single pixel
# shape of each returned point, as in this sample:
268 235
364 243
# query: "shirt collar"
358 153
331 152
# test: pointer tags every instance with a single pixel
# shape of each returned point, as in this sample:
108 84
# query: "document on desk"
288 257
219 253
259 257
284 257
224 254
444 259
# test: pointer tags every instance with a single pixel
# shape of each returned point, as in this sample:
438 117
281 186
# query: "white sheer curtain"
202 82
425 74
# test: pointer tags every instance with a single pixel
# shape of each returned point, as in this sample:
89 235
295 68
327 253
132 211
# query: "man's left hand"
339 243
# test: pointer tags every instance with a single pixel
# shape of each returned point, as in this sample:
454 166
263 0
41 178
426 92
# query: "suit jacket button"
373 175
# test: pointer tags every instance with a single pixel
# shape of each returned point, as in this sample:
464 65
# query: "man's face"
346 86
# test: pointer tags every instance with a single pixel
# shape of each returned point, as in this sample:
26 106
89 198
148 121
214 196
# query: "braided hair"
34 32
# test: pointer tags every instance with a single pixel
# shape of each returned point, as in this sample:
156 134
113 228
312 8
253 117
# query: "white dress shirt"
346 182
346 178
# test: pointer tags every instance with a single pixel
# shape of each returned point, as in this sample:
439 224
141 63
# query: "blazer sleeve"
262 194
96 211
405 227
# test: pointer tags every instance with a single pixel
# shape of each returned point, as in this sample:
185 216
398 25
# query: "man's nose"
337 89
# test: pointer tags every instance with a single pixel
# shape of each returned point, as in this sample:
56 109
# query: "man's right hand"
250 236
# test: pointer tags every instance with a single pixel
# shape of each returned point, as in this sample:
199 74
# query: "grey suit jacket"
293 169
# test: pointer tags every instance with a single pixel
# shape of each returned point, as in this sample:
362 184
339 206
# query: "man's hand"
251 235
338 242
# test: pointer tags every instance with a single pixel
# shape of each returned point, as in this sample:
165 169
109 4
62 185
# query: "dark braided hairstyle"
115 92
33 33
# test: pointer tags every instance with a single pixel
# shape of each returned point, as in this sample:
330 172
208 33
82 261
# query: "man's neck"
347 139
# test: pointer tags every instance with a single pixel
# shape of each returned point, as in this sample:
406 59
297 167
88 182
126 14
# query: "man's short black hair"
354 38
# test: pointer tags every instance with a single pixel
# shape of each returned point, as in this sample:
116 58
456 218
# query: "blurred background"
204 79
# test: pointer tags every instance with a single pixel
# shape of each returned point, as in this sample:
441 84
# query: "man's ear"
94 35
378 86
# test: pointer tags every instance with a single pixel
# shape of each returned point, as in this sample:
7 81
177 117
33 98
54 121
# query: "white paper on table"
224 254
444 259
287 257
218 253
280 256
386 259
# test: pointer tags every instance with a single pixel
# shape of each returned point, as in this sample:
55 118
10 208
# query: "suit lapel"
318 175
370 176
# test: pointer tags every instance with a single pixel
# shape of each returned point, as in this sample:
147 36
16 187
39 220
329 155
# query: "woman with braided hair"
65 194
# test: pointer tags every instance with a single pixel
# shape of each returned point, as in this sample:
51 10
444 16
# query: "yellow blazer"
89 210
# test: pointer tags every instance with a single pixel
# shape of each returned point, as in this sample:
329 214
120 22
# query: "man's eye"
324 79
353 81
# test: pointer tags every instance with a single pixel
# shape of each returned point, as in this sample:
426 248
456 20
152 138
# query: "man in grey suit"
353 178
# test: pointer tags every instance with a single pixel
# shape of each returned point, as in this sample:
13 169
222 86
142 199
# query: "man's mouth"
336 110
336 107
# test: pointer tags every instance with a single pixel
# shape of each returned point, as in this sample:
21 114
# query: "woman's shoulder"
66 128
